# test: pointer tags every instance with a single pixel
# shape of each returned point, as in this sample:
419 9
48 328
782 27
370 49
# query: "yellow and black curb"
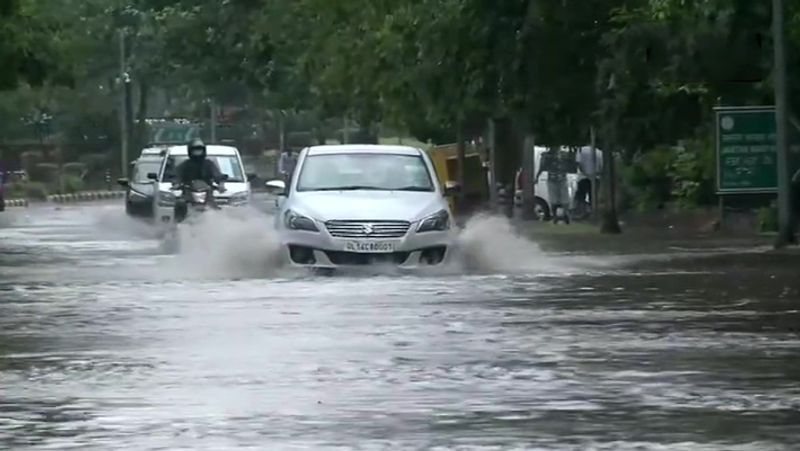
11 203
89 196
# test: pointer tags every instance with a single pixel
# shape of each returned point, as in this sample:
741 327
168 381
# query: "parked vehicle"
363 204
543 208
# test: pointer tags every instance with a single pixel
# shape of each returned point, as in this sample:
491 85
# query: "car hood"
368 205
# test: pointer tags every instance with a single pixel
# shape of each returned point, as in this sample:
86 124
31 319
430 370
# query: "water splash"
490 244
239 243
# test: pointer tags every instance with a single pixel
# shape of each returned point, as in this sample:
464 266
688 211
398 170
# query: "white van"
543 207
237 187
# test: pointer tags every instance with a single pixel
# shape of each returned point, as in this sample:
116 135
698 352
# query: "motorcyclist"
197 167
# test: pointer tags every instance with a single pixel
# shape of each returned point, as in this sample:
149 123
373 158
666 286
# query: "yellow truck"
445 161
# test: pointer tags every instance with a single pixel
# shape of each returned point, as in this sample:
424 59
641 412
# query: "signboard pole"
786 229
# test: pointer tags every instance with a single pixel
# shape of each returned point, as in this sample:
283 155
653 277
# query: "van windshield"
227 164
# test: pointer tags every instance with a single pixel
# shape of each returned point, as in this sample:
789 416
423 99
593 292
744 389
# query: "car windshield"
227 164
364 171
144 167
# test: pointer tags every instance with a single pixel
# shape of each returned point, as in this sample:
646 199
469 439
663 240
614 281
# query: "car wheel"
541 210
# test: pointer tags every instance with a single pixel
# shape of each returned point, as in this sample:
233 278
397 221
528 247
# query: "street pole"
123 77
786 230
492 142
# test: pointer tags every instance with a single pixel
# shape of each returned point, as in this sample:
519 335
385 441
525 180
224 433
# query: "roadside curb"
89 196
16 203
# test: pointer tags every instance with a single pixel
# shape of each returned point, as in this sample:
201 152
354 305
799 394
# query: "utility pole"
491 141
786 227
124 81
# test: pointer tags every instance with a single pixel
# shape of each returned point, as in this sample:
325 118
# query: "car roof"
364 148
149 158
153 150
211 149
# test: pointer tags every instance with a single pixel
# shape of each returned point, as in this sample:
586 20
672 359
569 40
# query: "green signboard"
746 154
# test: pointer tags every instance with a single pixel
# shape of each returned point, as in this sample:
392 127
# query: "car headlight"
435 223
239 198
136 195
295 221
166 199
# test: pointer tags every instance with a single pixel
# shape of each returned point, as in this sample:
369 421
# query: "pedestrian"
554 162
286 165
590 166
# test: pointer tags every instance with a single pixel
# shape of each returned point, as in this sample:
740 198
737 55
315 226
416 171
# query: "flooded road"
108 343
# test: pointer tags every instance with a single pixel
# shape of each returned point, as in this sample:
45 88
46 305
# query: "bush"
693 174
683 173
27 190
73 184
768 219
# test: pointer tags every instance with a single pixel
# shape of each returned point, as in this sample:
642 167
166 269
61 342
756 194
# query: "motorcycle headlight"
239 198
166 199
435 223
295 221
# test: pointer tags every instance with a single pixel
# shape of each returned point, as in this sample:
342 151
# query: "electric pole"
124 82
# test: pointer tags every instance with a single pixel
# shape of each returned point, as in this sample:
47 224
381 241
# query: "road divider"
11 203
88 196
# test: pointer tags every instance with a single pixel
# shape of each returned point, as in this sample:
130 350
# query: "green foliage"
768 219
683 174
27 190
73 184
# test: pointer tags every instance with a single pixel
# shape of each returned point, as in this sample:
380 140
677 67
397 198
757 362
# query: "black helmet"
196 149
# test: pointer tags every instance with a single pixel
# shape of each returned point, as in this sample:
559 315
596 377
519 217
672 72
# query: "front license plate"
377 247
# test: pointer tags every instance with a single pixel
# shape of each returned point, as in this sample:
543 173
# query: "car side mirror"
451 188
225 177
123 182
276 187
152 176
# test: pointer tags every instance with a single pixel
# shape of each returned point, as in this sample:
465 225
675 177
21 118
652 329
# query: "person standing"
286 165
590 166
553 161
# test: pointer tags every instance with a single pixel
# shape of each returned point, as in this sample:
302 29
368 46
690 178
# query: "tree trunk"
610 222
528 174
508 141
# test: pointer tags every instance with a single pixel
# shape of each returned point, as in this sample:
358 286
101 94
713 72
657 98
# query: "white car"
237 186
363 204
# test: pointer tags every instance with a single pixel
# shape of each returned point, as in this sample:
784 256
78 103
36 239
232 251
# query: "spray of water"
227 244
490 244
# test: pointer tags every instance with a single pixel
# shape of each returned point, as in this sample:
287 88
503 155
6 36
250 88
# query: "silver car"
363 204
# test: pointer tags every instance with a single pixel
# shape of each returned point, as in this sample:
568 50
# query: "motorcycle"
191 200
195 197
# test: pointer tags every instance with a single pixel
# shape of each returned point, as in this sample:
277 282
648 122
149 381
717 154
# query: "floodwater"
107 343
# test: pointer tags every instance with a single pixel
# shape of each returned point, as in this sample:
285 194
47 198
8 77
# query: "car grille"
368 229
352 258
